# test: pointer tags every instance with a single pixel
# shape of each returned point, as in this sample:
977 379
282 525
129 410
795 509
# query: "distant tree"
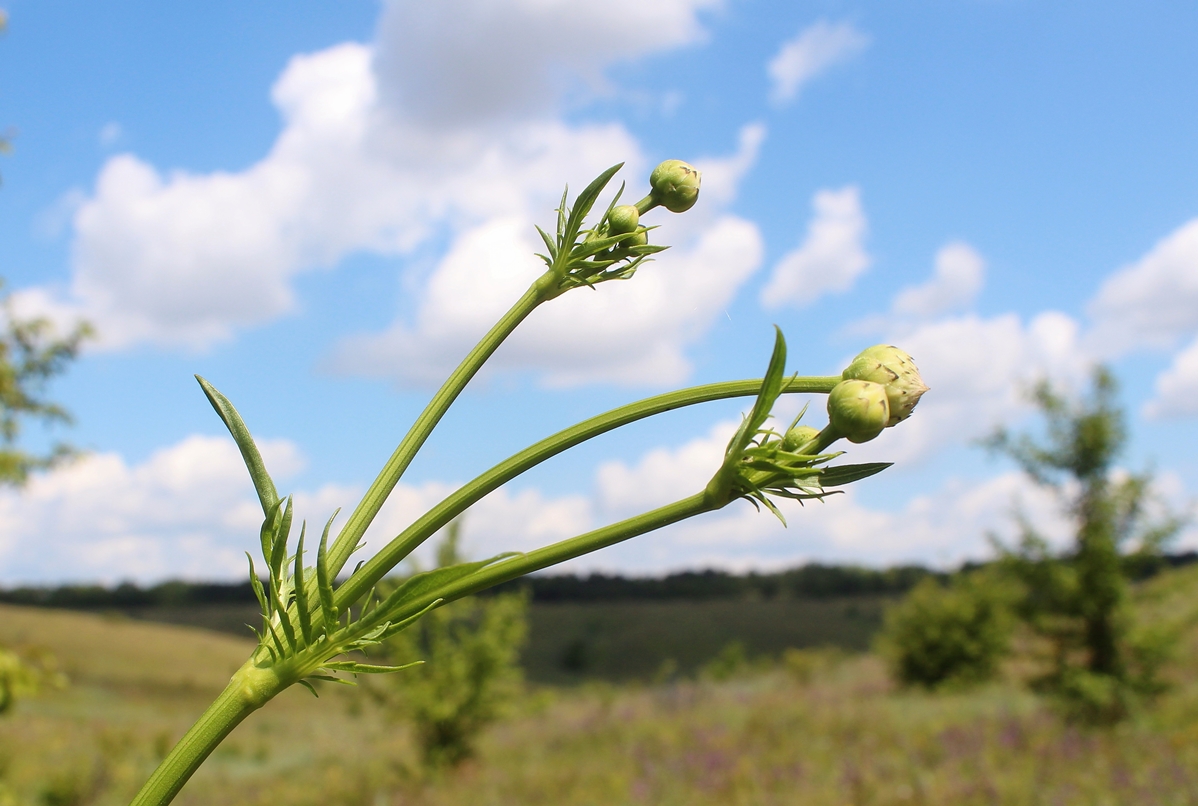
31 353
471 671
1100 662
945 635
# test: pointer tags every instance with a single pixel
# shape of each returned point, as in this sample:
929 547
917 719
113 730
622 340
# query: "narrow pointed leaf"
301 589
267 494
310 688
367 668
328 612
846 474
256 584
278 551
584 202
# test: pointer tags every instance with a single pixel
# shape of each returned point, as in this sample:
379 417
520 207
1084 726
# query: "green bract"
312 615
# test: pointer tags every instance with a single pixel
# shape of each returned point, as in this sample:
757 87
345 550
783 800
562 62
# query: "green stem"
464 497
560 552
249 689
389 476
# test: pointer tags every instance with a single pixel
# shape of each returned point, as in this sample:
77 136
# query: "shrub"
947 635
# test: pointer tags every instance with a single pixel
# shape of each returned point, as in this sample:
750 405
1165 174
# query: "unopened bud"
797 437
858 410
623 219
635 239
675 185
894 369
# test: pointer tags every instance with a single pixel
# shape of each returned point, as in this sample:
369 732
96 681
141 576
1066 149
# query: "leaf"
324 585
265 487
270 525
301 589
846 474
256 584
583 204
771 388
328 678
310 687
278 549
428 582
367 668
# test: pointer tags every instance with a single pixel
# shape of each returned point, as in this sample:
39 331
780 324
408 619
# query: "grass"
633 640
842 735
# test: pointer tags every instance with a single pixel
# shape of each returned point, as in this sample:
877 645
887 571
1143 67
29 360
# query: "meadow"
812 728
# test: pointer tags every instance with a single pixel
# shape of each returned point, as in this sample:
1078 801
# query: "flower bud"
623 219
894 369
675 186
797 437
858 410
636 239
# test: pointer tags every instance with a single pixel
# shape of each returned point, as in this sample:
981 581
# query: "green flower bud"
624 218
798 436
894 369
636 239
858 410
675 186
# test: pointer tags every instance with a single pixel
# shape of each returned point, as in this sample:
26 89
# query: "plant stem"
389 476
248 690
464 497
564 550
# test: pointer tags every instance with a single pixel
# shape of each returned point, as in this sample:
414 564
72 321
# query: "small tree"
1099 661
31 353
470 672
952 635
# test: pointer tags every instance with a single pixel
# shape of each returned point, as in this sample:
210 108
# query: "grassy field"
573 642
836 734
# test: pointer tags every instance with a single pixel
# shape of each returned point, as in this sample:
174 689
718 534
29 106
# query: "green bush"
947 635
470 672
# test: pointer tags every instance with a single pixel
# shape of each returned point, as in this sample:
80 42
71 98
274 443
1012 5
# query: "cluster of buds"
619 243
880 389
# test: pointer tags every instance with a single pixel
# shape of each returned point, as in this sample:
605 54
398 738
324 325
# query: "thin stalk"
389 476
464 497
560 552
248 690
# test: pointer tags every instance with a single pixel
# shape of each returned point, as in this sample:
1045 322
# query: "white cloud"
830 258
1154 301
633 332
367 160
979 371
945 526
959 274
189 511
110 133
1177 387
465 62
812 51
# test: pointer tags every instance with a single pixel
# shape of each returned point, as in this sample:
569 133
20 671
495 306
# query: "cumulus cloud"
437 130
189 511
959 274
466 62
946 526
812 51
979 370
830 258
633 332
1154 301
1177 387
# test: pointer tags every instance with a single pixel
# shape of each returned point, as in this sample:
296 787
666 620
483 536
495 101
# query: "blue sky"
319 208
